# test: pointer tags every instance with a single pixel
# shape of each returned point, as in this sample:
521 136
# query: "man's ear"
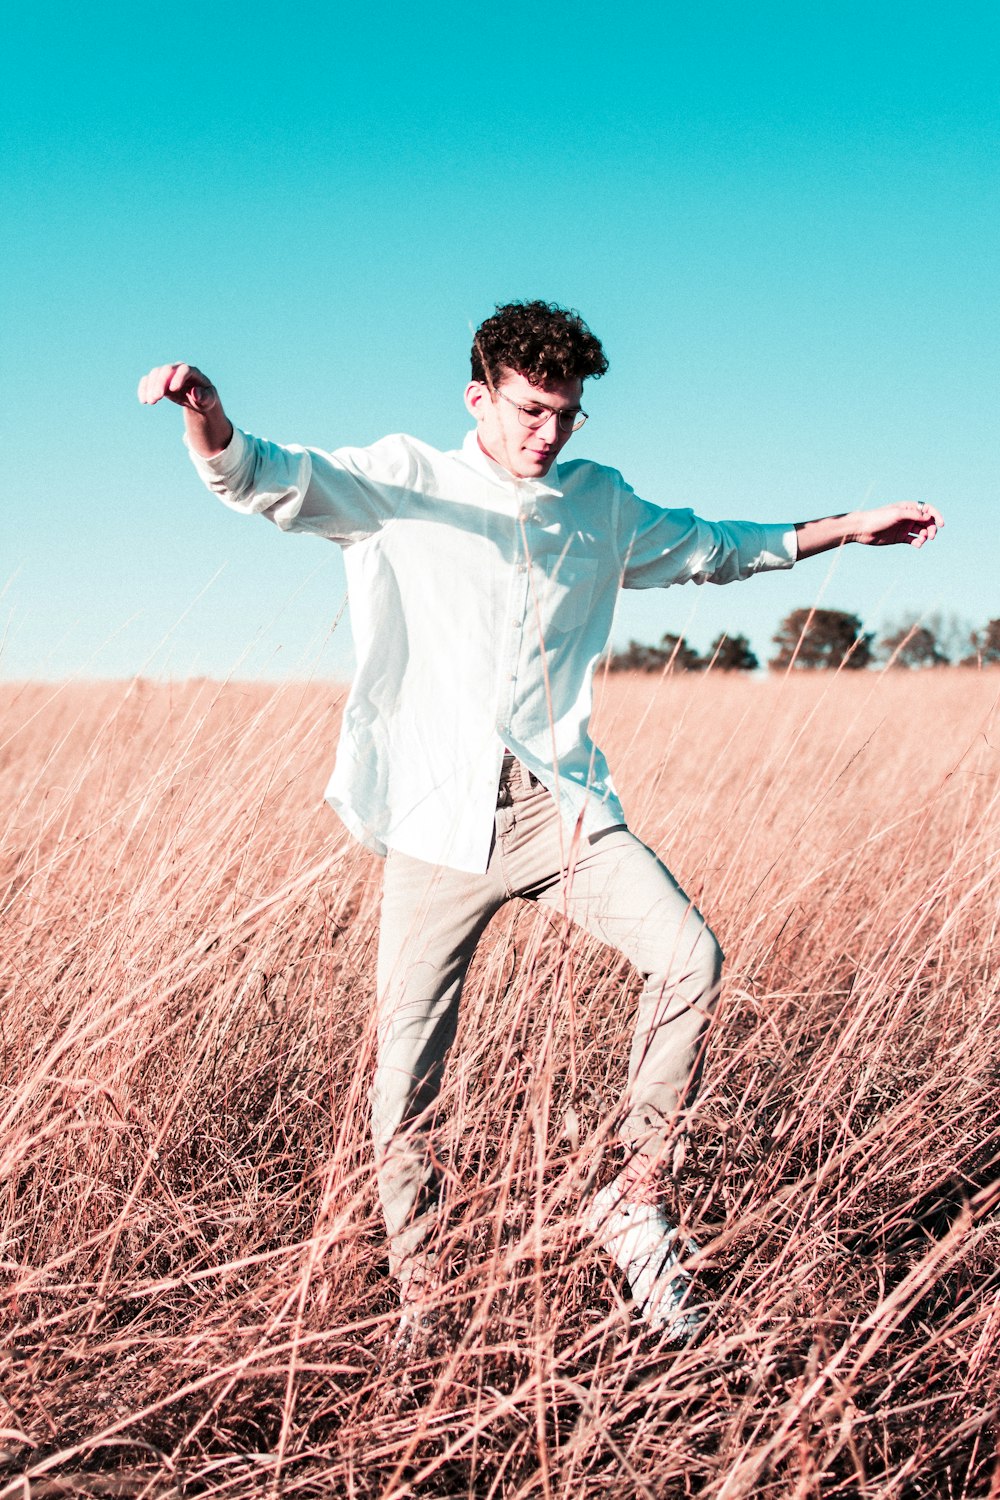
477 397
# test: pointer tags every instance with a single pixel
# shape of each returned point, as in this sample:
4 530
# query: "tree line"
824 639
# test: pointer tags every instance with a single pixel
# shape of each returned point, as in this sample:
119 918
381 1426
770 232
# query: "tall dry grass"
195 1290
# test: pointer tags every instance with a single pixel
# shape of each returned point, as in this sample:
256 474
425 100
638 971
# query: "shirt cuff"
221 465
783 542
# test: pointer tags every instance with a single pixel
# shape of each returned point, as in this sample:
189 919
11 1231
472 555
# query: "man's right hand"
183 384
209 429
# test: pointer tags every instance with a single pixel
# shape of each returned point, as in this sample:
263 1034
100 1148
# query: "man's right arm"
344 496
209 430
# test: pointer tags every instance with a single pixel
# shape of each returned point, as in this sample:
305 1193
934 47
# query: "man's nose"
550 427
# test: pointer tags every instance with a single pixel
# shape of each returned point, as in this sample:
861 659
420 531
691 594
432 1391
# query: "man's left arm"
908 523
661 546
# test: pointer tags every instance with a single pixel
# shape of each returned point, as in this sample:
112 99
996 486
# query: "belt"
514 772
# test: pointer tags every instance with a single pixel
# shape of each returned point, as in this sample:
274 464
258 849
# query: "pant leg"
432 919
621 893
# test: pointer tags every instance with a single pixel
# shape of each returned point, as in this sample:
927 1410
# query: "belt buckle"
505 791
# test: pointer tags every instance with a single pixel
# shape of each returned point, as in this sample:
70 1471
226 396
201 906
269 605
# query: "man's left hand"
910 523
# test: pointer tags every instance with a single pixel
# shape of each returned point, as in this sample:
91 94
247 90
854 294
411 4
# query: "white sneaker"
644 1245
415 1333
419 1317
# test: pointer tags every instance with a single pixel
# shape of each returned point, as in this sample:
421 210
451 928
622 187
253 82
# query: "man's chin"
535 468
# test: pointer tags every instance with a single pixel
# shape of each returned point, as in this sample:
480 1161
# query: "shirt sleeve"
661 547
343 496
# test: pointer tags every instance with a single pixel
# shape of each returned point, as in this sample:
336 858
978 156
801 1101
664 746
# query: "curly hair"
538 340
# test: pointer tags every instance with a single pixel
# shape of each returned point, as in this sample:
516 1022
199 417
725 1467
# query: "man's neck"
492 457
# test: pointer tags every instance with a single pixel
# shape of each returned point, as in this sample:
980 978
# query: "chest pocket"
564 589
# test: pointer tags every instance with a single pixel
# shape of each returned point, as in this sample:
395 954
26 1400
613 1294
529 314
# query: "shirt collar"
527 489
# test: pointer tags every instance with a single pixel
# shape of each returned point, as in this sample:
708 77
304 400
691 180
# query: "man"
482 584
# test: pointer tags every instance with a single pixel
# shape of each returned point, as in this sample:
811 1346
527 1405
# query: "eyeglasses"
535 415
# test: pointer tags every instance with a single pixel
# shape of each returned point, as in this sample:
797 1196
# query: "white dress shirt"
481 604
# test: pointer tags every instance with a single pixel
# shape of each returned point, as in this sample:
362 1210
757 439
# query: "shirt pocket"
565 590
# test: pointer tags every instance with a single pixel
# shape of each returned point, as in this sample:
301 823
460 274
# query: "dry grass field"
195 1293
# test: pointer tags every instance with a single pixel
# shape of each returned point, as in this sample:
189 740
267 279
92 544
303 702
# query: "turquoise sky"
782 220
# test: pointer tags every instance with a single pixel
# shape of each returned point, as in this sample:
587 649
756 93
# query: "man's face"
526 452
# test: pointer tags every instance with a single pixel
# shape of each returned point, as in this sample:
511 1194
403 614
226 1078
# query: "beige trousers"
432 919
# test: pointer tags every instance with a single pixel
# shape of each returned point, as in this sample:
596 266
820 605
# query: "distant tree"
635 658
913 646
816 639
673 653
989 649
985 645
731 653
952 632
679 654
